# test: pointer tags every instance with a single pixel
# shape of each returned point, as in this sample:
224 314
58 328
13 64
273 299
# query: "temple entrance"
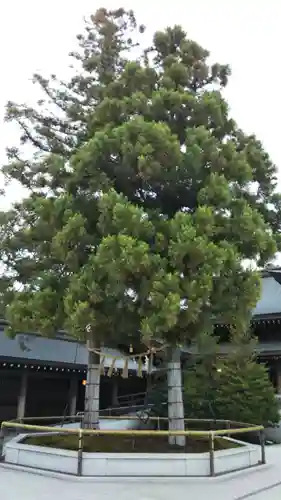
47 396
9 390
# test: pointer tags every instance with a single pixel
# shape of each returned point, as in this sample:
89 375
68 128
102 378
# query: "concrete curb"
192 480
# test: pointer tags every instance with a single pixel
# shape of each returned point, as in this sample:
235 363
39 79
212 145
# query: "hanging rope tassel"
102 362
140 366
111 368
125 373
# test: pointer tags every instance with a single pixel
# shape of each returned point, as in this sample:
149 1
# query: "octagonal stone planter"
130 465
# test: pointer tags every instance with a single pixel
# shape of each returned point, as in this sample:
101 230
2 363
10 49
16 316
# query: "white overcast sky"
37 36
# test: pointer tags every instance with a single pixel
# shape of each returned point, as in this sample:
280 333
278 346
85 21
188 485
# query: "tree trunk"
175 399
92 392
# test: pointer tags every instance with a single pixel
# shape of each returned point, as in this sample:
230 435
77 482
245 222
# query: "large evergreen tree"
146 199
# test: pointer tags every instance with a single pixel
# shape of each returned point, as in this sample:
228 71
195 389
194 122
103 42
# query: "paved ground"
272 494
15 484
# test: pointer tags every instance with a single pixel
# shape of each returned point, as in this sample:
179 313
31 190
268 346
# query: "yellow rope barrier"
128 433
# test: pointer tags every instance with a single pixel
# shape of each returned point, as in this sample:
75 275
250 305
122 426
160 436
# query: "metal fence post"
262 443
80 452
228 426
212 454
2 438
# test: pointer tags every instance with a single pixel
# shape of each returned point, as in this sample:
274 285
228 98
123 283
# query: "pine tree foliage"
145 196
59 123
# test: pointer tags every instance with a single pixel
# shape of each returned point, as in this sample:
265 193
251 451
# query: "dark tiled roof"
34 348
270 301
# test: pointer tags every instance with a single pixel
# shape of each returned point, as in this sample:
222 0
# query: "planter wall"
130 465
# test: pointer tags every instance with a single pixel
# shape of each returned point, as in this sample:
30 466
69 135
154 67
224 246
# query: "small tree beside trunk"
235 388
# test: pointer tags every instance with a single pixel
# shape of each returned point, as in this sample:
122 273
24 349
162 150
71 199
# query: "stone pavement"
262 483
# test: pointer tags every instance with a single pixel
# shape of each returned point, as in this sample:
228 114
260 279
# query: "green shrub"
237 388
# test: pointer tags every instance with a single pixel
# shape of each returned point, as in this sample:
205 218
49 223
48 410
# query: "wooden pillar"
22 395
73 390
